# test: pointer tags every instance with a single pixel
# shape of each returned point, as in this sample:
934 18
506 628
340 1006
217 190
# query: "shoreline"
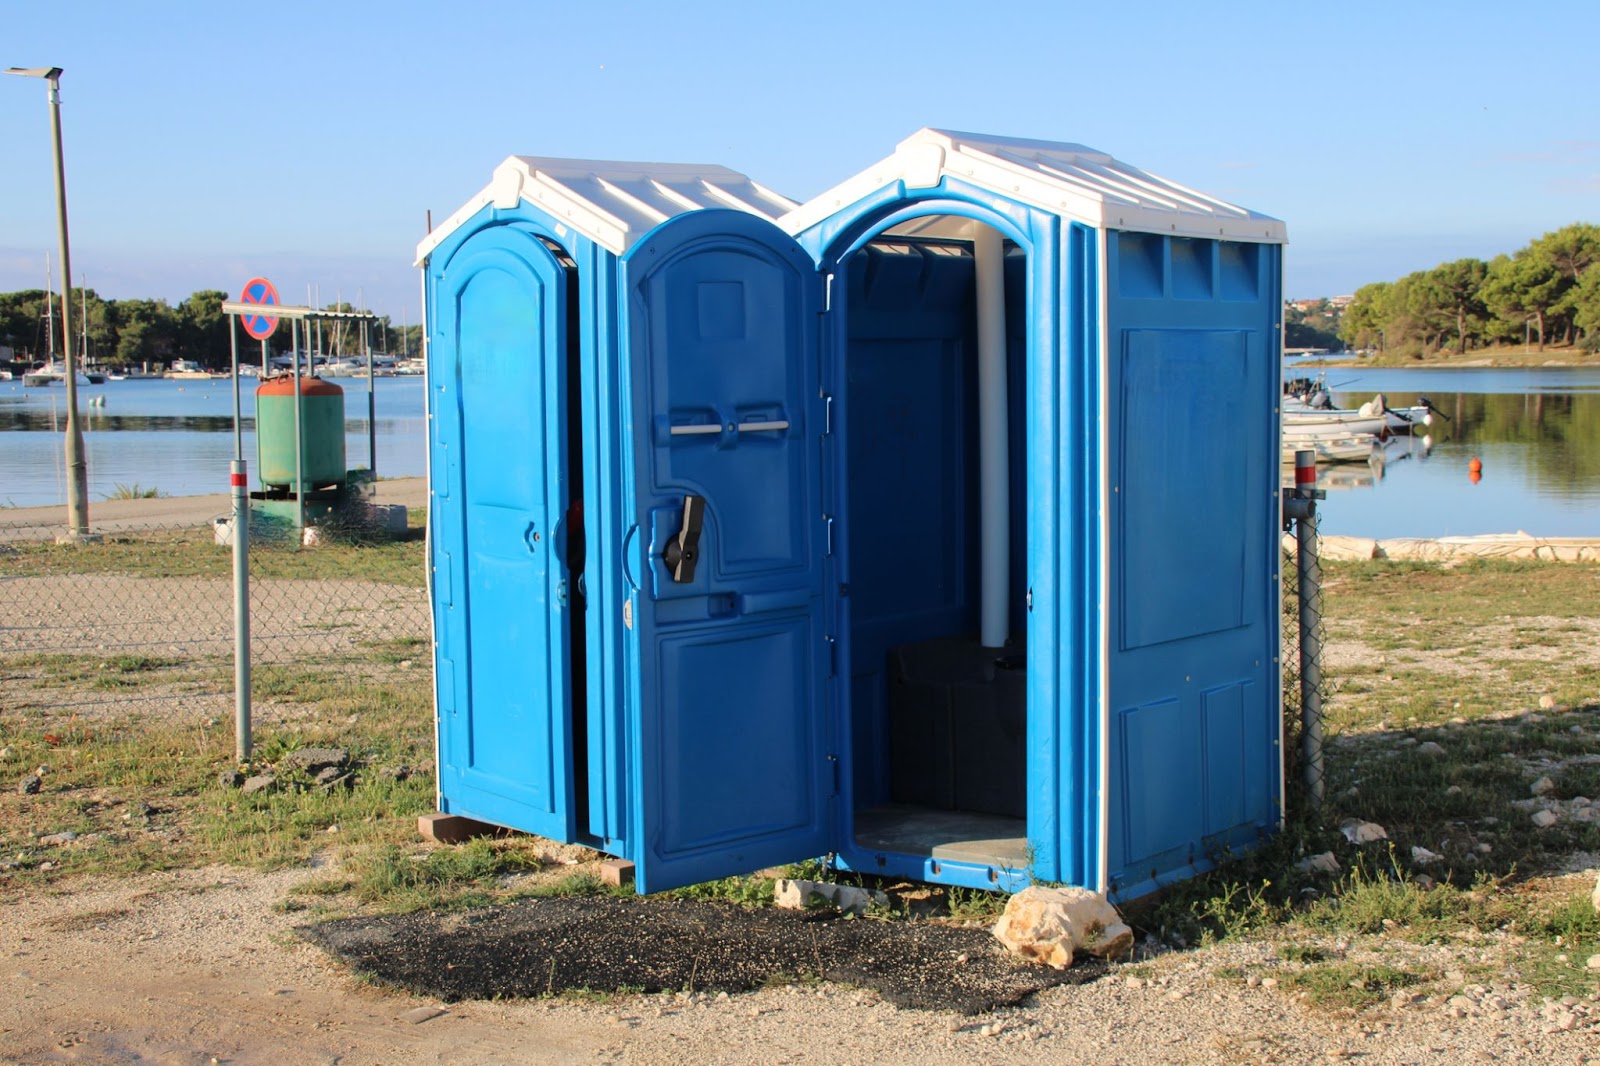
1533 361
32 523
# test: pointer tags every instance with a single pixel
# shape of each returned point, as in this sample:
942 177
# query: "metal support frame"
239 483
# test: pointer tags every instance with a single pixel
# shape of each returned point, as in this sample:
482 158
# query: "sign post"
256 291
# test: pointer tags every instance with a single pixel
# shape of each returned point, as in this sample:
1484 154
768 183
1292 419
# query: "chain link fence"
140 620
1301 660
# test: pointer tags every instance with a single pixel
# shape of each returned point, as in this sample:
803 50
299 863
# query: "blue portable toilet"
931 524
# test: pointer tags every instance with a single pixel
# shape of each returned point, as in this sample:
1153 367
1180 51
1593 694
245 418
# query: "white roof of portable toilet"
612 203
1076 182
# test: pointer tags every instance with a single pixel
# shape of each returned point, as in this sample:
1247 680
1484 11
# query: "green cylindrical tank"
321 429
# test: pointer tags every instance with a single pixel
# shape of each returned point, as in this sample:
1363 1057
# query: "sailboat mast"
49 308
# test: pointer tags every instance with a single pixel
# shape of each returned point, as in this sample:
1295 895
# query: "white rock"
1359 832
1318 864
1422 856
799 895
1594 897
1453 790
1594 962
1544 819
1429 747
1547 702
1049 924
1543 787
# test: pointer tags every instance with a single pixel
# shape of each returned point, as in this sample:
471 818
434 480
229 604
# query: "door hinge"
828 519
827 415
827 293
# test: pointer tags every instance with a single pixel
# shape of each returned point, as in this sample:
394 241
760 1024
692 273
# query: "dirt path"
205 966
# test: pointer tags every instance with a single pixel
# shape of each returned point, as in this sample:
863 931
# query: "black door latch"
683 550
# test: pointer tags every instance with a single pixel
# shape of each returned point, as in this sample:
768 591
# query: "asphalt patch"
606 944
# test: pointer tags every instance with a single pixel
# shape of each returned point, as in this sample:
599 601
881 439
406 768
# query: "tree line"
1547 292
129 333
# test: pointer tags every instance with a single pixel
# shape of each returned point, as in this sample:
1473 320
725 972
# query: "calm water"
1537 433
177 436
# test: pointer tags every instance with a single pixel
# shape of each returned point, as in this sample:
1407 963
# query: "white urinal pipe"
994 476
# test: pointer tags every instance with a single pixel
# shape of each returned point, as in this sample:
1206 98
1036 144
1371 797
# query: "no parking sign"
259 291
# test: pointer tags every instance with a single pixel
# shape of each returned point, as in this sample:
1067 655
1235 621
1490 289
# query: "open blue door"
729 714
497 383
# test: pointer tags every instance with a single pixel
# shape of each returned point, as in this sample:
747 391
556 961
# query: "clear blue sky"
1390 136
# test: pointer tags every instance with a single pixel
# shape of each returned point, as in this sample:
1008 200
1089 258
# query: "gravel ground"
206 966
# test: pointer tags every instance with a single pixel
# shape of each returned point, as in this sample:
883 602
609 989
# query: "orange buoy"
1475 465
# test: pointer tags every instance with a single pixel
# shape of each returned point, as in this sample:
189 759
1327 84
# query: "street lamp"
77 469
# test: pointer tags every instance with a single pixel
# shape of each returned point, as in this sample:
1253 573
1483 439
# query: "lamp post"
77 469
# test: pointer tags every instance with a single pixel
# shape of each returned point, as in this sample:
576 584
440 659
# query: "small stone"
30 785
1269 982
1422 856
1543 787
1544 819
418 1015
1134 982
1429 747
260 784
336 782
1453 790
1485 849
230 779
1254 981
1547 702
1593 963
1359 832
1594 897
1049 924
1324 863
43 768
313 760
5 753
1424 882
58 840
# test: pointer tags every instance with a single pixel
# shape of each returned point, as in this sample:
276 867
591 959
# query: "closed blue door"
497 384
729 716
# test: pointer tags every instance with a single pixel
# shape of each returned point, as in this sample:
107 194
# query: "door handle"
682 552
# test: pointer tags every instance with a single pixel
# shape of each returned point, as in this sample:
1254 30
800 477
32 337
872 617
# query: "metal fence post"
241 610
1308 568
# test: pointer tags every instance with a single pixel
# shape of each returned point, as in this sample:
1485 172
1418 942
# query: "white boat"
1308 420
1309 401
187 369
53 373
